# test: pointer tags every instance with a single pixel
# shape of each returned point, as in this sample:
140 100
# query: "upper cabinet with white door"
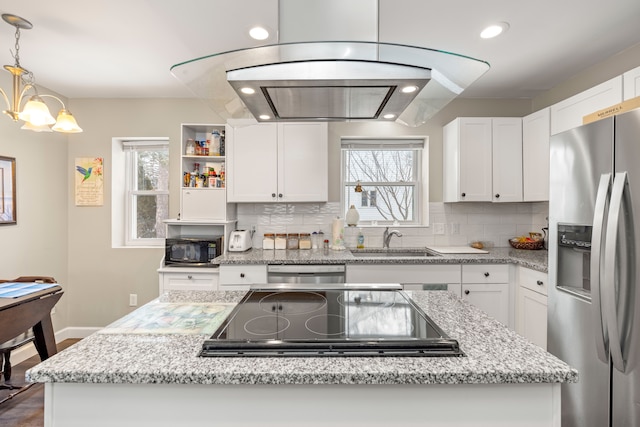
631 83
283 162
535 156
569 113
483 159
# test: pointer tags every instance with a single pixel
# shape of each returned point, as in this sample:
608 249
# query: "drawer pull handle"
189 277
486 274
540 282
466 292
242 275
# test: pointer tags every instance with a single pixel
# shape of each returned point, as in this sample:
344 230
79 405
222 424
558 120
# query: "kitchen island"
144 370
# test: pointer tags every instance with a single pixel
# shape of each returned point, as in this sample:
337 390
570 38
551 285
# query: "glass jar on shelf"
190 147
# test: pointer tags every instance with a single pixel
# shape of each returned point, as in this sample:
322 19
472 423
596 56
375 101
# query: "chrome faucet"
386 237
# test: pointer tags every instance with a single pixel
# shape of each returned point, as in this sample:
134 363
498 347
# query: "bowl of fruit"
531 242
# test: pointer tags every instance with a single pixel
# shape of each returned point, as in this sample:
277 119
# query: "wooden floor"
27 408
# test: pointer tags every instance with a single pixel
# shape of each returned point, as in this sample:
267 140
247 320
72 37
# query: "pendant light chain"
16 55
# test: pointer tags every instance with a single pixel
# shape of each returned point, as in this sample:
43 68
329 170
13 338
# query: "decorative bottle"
352 217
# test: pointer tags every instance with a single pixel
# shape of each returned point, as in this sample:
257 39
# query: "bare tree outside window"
152 207
388 179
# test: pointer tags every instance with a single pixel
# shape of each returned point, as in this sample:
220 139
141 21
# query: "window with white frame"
144 192
382 178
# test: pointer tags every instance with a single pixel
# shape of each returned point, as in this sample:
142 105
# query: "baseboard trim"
26 351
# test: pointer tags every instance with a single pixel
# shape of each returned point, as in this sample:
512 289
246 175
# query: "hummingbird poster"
89 181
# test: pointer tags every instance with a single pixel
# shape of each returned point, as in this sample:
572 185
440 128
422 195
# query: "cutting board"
457 250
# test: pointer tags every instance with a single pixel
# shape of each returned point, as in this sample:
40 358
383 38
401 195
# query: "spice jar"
293 240
190 149
305 241
269 241
281 241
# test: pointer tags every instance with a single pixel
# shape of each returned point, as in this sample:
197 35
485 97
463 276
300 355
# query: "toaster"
240 240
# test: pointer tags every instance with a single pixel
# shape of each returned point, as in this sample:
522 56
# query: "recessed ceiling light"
259 33
409 89
389 116
248 90
264 117
494 30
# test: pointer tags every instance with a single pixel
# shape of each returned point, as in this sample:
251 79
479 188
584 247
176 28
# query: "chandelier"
35 113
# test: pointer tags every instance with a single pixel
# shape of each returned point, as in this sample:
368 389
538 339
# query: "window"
388 174
141 192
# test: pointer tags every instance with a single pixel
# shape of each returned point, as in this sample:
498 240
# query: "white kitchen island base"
184 405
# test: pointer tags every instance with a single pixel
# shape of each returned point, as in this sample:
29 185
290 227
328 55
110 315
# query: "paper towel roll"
337 235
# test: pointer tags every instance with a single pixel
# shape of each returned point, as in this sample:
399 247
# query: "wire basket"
536 244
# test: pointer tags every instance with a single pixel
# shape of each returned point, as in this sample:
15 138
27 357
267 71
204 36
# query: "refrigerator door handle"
597 240
618 295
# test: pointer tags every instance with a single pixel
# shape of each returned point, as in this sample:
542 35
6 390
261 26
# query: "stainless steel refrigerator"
593 319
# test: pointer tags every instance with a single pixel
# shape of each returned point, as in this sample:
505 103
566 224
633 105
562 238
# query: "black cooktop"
328 322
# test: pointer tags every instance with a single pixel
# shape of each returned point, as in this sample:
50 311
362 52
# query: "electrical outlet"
455 228
133 300
438 228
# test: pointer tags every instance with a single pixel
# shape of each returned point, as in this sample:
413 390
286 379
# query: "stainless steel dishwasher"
312 274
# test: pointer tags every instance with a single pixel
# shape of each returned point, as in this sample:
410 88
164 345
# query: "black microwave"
192 251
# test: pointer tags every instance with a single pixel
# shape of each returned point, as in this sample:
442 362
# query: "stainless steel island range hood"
312 74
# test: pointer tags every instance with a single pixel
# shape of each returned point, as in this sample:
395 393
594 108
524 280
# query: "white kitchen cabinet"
531 310
187 279
241 277
283 162
483 159
631 83
535 156
569 113
206 204
202 202
487 287
410 276
507 159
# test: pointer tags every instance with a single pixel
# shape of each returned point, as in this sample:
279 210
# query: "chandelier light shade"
34 113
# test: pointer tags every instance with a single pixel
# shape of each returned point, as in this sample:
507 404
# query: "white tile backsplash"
491 223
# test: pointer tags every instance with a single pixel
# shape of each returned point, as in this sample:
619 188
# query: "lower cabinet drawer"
485 273
189 282
536 281
242 274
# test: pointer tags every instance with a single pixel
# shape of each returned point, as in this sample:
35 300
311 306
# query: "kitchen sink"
393 253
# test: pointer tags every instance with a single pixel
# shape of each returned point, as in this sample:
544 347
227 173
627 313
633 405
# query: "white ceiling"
125 48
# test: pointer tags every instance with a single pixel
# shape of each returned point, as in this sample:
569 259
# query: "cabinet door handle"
540 282
273 195
463 194
486 274
466 292
242 275
280 195
189 277
497 196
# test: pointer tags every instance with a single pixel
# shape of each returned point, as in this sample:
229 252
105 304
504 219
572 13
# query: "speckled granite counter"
536 260
143 371
148 353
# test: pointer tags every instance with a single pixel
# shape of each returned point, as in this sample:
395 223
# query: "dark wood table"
33 311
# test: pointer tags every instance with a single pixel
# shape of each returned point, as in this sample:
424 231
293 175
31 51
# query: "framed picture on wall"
7 190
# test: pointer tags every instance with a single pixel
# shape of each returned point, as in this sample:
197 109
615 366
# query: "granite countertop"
536 260
159 343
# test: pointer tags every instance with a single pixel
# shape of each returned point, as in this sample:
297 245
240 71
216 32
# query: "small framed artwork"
7 190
